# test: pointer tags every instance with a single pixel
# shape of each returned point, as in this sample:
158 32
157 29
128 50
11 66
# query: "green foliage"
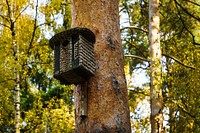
184 96
139 120
48 106
180 47
55 117
53 10
45 104
135 41
6 109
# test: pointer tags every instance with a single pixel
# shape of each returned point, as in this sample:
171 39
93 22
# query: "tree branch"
125 5
11 19
175 59
22 11
193 2
178 61
4 17
188 113
9 11
137 57
121 9
186 11
134 27
128 42
5 25
34 28
46 23
193 37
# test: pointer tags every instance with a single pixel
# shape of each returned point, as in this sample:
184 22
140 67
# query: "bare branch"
128 42
34 28
5 25
134 27
121 10
135 46
9 10
178 61
193 2
22 11
125 7
186 11
4 17
171 57
193 37
11 19
137 57
188 113
46 23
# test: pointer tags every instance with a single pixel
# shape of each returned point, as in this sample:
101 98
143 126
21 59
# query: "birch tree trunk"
17 78
11 10
17 90
156 98
108 109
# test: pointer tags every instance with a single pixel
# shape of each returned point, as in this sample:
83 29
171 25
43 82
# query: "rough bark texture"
156 97
108 110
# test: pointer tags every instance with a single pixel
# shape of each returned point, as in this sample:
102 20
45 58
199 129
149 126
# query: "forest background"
26 65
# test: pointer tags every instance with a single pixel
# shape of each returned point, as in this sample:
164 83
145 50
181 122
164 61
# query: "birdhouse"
74 61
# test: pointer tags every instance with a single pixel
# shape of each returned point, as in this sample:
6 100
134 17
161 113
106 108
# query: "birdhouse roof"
67 34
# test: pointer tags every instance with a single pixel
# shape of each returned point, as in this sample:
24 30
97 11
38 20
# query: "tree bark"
11 9
107 108
156 98
17 80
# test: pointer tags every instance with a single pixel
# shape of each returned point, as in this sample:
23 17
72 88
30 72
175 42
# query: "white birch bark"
17 85
17 67
156 98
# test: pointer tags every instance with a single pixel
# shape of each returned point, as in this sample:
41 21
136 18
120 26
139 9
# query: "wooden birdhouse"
74 61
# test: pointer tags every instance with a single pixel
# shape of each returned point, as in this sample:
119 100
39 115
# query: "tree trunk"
17 79
17 103
11 10
107 108
16 68
156 98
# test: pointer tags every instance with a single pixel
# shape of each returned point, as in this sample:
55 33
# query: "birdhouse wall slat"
74 55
